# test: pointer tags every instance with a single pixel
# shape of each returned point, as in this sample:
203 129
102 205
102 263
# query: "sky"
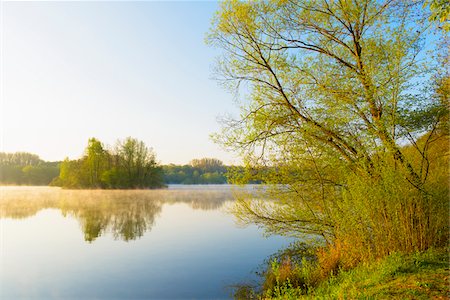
75 70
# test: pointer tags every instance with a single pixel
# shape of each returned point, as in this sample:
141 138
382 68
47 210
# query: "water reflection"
126 214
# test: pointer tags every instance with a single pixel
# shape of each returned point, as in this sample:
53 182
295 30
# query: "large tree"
329 88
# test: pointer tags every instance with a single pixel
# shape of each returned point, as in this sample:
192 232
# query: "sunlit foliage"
342 112
26 169
129 165
440 12
199 171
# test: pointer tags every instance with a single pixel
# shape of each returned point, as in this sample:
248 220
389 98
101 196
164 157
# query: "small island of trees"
130 164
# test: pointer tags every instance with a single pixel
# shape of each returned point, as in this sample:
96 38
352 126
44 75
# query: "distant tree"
11 174
26 168
41 174
19 159
96 161
199 171
206 165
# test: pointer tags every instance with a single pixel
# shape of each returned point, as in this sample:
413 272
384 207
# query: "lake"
176 243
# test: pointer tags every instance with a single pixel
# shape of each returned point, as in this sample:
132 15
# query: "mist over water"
179 242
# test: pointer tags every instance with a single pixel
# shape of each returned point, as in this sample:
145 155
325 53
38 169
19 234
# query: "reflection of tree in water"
126 214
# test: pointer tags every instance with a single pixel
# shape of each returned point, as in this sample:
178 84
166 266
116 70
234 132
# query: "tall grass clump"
386 214
419 275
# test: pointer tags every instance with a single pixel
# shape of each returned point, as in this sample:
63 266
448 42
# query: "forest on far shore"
130 164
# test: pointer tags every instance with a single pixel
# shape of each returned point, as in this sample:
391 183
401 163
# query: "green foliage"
420 275
19 158
96 162
200 171
102 168
440 12
388 214
130 165
315 82
337 119
26 168
71 175
287 274
41 174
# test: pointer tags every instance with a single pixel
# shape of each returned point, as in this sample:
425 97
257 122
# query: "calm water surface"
179 243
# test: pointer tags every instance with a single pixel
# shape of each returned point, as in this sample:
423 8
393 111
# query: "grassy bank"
398 276
422 275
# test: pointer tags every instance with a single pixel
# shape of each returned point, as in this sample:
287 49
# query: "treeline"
199 171
26 169
130 164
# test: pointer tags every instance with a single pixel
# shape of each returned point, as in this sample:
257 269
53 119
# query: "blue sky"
74 70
